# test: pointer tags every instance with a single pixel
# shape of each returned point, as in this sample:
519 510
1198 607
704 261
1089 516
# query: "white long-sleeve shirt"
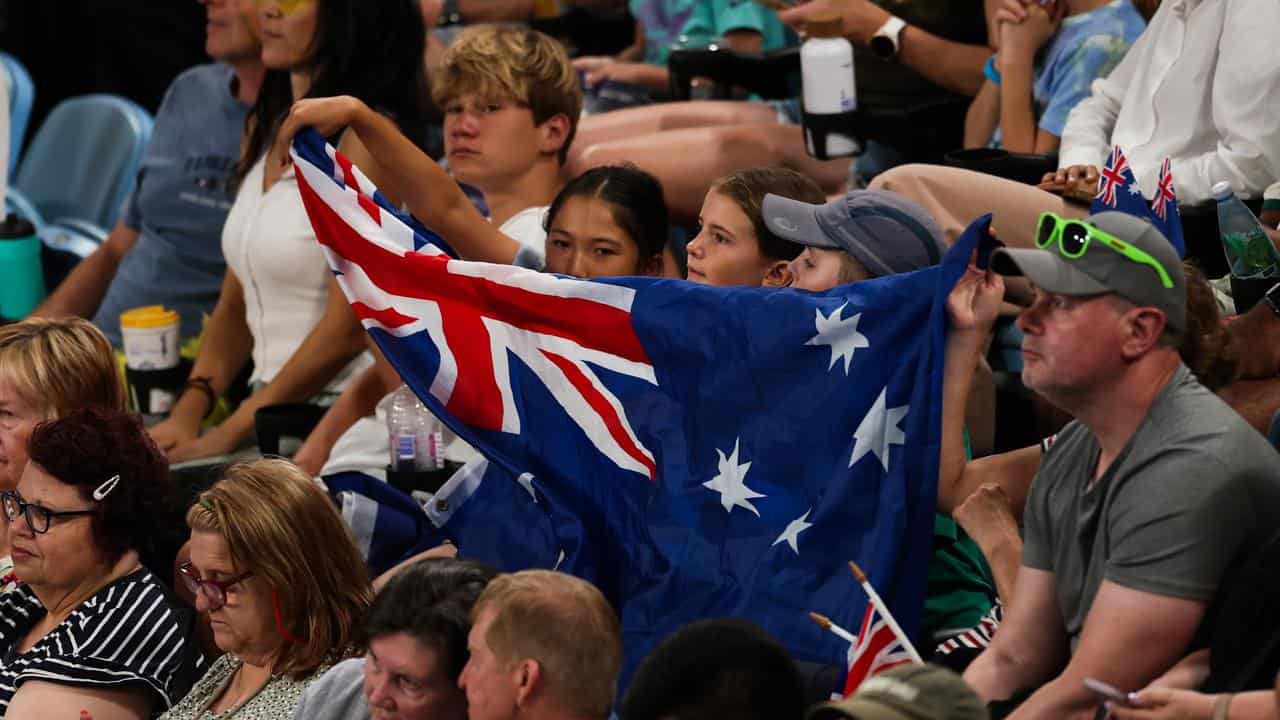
1200 86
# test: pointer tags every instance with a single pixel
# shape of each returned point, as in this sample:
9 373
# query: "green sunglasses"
1074 236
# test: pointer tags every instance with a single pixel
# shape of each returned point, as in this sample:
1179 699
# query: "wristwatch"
450 14
1272 299
887 40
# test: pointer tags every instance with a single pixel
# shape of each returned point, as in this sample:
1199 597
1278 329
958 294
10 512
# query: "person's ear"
1144 326
528 674
553 134
778 275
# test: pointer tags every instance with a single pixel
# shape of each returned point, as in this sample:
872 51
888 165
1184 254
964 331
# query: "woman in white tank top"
279 306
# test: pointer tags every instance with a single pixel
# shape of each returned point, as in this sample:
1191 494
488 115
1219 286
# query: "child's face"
584 241
726 251
490 143
819 269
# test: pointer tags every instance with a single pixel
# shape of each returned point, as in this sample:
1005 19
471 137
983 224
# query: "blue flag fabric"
693 451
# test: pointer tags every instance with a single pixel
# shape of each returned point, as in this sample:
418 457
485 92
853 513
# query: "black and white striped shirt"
130 633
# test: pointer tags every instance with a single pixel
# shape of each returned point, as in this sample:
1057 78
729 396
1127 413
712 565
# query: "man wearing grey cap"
865 234
1147 505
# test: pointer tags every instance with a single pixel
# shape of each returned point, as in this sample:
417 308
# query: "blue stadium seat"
82 161
22 94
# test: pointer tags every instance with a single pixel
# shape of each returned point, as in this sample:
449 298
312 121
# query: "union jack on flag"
1164 209
693 451
479 316
878 649
1116 176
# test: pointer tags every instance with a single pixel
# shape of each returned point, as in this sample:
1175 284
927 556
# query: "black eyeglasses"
38 517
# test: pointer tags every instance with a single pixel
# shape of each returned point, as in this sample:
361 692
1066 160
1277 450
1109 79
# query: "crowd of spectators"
1105 512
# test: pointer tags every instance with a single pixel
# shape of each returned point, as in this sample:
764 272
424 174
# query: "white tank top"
268 243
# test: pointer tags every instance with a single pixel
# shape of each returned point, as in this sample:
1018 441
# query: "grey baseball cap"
884 231
1106 270
907 692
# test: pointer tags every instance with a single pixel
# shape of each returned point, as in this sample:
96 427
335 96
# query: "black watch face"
882 47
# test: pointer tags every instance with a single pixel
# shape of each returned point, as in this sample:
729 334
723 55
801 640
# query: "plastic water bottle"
826 70
1250 253
417 441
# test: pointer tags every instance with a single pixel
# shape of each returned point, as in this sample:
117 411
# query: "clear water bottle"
417 441
1250 253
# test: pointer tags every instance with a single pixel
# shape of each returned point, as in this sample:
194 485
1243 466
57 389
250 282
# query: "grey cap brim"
856 708
796 221
1047 270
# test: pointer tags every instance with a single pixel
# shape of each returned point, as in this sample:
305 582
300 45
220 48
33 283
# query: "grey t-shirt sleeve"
1176 524
1057 453
336 695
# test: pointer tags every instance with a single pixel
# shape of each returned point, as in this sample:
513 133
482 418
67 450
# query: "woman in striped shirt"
47 368
90 628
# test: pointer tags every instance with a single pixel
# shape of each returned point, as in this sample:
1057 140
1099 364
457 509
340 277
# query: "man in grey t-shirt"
1148 503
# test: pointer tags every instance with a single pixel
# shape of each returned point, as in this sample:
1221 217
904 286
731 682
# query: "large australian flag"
694 451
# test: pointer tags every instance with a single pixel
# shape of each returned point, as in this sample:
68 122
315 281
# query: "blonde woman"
47 368
282 583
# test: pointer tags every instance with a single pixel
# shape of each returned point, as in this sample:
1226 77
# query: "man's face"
406 680
1071 344
231 32
489 682
490 143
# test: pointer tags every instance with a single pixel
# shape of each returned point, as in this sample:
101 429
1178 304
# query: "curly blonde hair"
523 66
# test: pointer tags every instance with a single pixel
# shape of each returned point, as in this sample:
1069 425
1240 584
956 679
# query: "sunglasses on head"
1074 237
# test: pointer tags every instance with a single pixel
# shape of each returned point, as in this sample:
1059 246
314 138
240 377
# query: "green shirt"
961 589
712 19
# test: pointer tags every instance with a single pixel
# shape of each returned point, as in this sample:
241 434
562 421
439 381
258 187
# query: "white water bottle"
826 69
417 441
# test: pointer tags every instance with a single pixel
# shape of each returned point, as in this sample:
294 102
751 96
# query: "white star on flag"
526 482
841 335
1134 190
731 483
878 430
791 535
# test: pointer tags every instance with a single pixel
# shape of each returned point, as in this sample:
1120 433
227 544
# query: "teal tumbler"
21 274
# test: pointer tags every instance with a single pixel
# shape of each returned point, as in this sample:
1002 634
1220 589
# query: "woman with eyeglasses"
284 587
47 368
90 628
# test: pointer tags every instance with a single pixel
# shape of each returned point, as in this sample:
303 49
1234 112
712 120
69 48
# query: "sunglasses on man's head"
1073 238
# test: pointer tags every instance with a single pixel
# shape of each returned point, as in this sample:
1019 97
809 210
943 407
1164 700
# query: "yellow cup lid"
150 316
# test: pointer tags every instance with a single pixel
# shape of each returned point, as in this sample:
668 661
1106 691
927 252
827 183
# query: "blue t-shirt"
179 203
1085 48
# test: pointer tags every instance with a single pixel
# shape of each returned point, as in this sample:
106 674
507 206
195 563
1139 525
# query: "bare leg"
688 160
635 122
957 197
